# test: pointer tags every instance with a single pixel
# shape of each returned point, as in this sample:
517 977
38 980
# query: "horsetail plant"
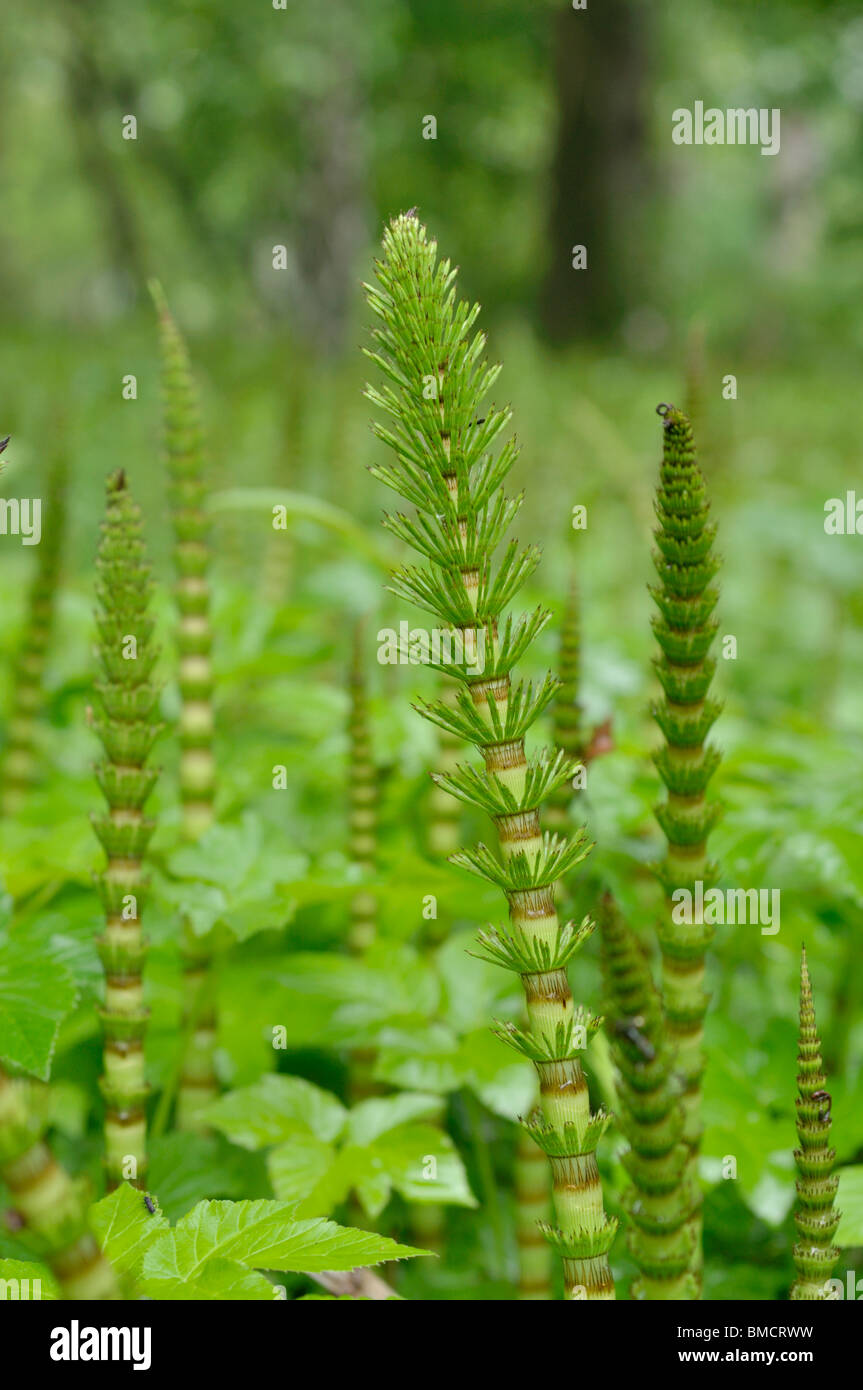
363 844
567 715
663 1197
183 442
445 466
362 781
127 727
685 629
28 697
184 451
815 1215
48 1203
444 813
569 731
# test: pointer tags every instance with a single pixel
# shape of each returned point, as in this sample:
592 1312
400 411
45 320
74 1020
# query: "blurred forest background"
303 127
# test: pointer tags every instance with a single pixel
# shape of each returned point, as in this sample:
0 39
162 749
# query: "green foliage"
322 1152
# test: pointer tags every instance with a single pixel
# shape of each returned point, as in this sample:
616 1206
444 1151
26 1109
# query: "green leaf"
219 1279
19 1270
402 1158
424 1165
304 1171
262 1235
125 1229
440 1061
850 1202
186 1168
273 1109
389 983
36 994
372 1118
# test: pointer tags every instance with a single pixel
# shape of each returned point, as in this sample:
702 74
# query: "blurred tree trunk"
90 95
599 174
332 214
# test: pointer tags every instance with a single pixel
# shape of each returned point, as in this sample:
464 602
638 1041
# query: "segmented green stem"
127 728
184 452
20 765
567 718
533 1211
444 813
685 630
444 466
363 843
815 1214
51 1204
696 371
663 1197
363 818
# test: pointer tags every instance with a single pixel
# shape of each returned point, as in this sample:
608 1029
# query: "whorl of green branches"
685 629
51 1205
127 727
663 1196
446 464
20 767
815 1215
184 449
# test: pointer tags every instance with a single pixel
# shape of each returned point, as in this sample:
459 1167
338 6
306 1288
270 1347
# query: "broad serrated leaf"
262 1235
36 994
125 1229
216 1281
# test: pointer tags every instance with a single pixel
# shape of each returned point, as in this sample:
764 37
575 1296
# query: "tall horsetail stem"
567 715
127 728
815 1215
532 1187
51 1204
663 1196
363 817
363 845
183 441
20 767
685 629
442 437
184 452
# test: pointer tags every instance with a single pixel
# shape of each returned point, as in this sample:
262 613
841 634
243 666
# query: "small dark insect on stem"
630 1028
825 1102
150 1205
